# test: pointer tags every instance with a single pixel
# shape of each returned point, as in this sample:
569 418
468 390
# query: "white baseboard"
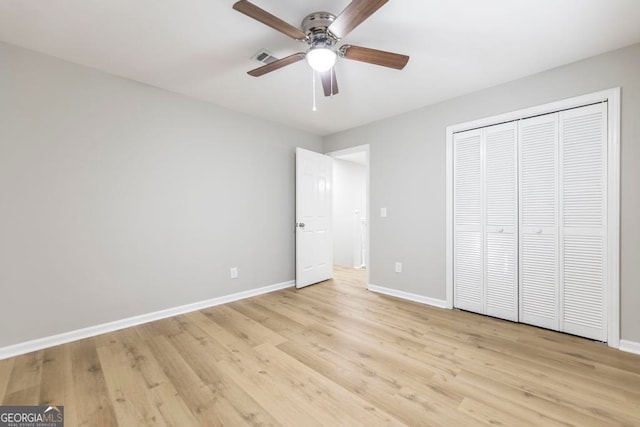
408 296
630 346
91 331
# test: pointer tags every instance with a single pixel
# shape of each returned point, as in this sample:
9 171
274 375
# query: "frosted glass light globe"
321 59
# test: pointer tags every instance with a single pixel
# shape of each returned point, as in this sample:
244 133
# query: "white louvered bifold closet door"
530 221
538 151
583 221
467 212
501 232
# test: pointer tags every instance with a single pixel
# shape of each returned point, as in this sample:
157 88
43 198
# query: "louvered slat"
468 271
467 178
583 282
583 220
583 169
539 280
501 169
539 293
538 171
501 277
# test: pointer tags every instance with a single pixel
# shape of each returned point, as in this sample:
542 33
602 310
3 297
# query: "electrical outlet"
234 272
398 267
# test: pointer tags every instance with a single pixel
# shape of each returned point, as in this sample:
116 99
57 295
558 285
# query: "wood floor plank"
565 381
133 405
6 366
333 403
541 410
93 405
199 397
57 385
378 389
146 381
330 354
268 318
247 329
196 347
489 415
25 380
260 380
611 377
23 396
591 404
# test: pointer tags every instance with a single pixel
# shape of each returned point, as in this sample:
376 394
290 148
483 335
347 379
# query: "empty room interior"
328 212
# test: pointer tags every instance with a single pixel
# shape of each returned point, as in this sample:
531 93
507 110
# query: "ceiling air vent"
264 57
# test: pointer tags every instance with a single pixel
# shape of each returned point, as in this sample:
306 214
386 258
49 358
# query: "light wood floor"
330 354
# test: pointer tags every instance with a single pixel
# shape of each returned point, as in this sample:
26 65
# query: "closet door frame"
612 97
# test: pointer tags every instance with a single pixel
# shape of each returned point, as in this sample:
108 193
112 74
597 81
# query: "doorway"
351 208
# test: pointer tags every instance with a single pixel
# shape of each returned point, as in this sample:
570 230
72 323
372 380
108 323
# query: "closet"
530 220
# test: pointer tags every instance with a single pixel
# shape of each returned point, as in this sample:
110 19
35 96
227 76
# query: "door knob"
301 224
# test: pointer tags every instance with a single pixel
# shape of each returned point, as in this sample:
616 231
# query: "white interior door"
314 213
539 293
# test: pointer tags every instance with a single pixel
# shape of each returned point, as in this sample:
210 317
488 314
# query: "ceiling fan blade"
353 15
253 11
276 65
329 82
374 56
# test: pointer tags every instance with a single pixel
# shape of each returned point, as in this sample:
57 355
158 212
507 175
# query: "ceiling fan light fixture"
322 58
321 31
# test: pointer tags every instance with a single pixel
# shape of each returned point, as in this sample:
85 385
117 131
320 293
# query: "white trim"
630 346
408 296
91 331
613 218
351 150
612 96
449 223
537 110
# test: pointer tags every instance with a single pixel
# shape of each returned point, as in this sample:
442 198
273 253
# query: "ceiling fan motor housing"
315 26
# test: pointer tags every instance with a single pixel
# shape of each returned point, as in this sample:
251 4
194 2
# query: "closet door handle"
539 230
500 229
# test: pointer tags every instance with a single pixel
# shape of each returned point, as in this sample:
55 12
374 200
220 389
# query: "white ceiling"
202 48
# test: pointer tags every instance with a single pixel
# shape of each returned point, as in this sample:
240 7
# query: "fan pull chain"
313 79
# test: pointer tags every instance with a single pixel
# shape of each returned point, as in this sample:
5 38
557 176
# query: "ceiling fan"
322 31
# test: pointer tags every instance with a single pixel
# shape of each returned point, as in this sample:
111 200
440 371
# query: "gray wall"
407 173
119 199
349 195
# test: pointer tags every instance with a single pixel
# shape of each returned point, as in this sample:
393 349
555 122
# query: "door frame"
612 97
351 150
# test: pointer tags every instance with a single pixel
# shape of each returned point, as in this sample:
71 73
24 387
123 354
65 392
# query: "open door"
314 212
